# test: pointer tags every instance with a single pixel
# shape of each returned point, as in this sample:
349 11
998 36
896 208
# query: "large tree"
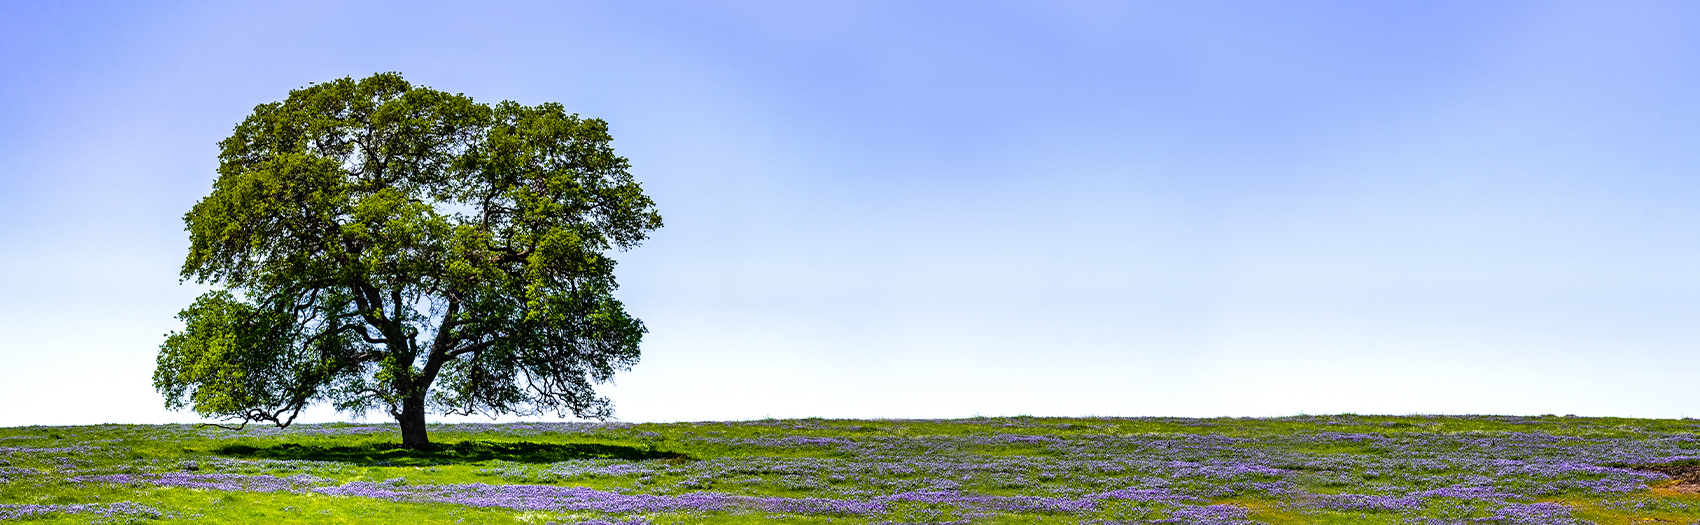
384 245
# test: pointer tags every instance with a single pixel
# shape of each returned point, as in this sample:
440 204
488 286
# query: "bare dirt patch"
1685 477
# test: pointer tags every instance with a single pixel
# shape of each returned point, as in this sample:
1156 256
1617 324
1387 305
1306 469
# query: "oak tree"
379 245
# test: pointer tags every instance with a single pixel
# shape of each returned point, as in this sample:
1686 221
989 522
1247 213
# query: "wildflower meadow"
1428 470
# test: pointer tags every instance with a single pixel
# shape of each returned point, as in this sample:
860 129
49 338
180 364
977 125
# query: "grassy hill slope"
1306 469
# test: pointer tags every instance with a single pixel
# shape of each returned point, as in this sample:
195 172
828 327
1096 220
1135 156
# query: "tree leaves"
379 234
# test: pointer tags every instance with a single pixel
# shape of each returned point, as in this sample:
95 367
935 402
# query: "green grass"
452 453
510 454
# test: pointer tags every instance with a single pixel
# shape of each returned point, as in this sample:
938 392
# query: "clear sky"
938 209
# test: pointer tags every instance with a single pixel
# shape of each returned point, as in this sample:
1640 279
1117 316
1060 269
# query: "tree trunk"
412 421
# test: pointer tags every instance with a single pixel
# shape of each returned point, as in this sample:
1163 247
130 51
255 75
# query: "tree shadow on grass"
387 454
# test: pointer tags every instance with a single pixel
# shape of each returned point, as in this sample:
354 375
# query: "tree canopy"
384 245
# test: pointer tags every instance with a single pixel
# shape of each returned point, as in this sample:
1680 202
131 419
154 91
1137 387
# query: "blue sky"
936 209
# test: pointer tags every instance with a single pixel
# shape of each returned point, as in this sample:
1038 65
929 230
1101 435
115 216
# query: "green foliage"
242 360
387 245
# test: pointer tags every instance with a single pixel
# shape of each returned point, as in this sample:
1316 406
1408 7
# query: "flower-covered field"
1306 469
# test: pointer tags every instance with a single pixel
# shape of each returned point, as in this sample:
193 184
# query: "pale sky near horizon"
949 209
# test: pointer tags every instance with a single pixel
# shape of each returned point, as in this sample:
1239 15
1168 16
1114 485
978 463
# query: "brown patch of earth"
1685 478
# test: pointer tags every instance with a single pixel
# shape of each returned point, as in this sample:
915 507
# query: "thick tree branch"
513 256
367 336
370 302
471 348
440 346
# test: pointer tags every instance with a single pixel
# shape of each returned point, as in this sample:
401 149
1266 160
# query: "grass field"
1306 469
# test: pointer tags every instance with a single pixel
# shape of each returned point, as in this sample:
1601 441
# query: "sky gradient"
938 209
